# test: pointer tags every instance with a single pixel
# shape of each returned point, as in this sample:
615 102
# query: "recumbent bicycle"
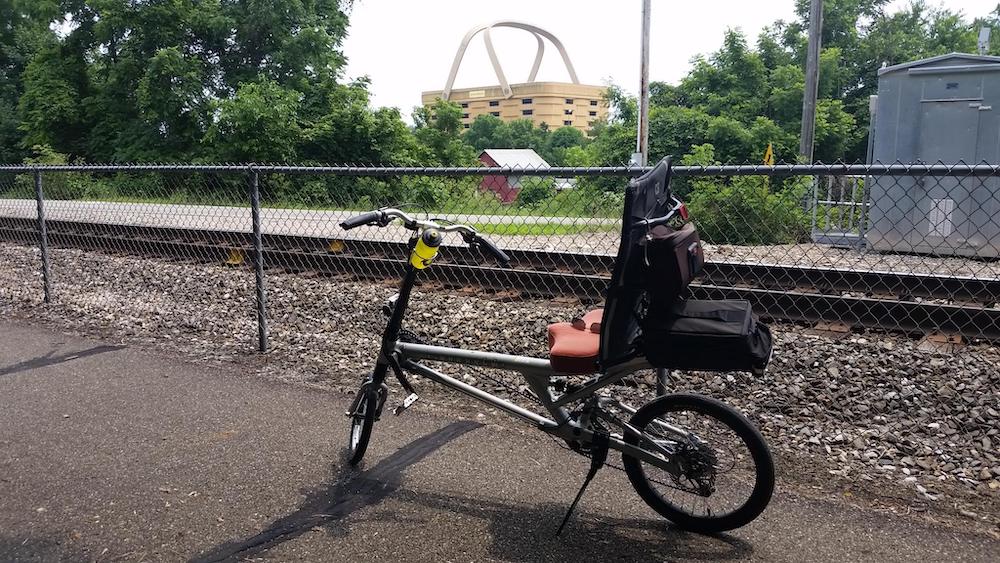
694 460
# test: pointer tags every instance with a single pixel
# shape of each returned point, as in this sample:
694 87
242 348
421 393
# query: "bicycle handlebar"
363 219
485 244
382 217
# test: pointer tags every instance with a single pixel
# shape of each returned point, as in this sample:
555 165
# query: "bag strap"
725 315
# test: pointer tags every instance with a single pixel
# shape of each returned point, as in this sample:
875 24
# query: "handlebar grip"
491 248
358 220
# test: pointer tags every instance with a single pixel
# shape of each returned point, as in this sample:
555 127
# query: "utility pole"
642 138
812 82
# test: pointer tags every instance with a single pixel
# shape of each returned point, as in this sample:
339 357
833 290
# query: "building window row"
527 112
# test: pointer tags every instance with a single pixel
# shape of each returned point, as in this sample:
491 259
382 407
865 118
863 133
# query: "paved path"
309 222
312 223
113 454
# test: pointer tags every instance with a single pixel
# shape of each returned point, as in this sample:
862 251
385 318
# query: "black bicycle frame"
395 325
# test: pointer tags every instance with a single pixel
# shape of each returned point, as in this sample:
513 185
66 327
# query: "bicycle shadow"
524 532
50 358
519 532
348 492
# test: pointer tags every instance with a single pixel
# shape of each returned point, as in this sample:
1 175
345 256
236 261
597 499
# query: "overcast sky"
407 46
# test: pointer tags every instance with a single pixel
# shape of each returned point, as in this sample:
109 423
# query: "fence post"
258 260
43 235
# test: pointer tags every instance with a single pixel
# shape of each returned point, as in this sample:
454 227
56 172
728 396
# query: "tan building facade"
557 104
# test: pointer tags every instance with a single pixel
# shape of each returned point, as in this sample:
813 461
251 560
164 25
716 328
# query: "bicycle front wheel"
362 414
725 474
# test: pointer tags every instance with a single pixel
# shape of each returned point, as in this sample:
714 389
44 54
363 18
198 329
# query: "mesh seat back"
646 197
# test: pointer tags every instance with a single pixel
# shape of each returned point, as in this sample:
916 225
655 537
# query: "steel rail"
779 292
902 285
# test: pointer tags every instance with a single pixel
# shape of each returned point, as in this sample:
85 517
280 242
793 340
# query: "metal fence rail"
922 255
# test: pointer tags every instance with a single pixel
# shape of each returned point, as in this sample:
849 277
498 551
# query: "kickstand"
598 455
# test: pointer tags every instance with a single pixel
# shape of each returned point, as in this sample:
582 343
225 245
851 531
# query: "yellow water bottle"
426 248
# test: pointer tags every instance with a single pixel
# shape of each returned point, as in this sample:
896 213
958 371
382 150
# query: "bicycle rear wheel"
726 474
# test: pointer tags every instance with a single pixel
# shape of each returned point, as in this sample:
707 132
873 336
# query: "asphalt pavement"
111 453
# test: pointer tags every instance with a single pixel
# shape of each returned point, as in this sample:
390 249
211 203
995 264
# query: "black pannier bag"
707 335
672 258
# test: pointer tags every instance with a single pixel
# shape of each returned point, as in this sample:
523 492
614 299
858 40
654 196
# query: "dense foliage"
741 98
262 81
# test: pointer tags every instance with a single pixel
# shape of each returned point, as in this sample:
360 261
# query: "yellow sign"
769 155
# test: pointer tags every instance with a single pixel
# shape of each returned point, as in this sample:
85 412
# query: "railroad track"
909 302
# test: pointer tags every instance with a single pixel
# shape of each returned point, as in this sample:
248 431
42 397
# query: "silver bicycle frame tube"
536 372
616 374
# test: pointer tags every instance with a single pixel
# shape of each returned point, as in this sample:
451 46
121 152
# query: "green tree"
169 79
342 127
488 132
439 131
613 144
50 107
622 107
729 82
257 125
836 131
741 98
21 34
673 130
172 102
524 135
559 142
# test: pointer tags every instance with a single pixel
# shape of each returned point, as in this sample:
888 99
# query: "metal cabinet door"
949 132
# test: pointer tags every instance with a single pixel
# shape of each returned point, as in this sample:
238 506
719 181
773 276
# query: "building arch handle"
538 32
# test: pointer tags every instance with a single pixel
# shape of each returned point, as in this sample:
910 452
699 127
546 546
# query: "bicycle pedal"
407 403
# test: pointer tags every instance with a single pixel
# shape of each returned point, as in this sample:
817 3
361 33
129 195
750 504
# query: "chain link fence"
910 248
220 260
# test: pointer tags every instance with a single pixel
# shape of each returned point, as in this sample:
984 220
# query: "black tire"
362 414
763 472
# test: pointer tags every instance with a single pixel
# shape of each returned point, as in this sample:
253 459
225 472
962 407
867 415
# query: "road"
113 453
315 223
306 222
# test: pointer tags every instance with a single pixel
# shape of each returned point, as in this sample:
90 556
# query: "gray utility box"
943 109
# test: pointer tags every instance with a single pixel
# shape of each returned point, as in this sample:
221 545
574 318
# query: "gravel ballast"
867 410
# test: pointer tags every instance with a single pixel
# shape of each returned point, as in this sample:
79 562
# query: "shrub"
748 211
535 191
